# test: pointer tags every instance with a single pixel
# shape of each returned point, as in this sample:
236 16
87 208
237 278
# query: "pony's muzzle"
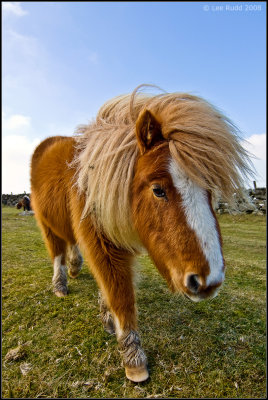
197 291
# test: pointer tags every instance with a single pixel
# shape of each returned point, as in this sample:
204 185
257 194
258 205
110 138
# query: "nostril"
193 283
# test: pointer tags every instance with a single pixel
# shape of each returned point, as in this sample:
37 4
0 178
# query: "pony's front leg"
121 301
134 358
112 270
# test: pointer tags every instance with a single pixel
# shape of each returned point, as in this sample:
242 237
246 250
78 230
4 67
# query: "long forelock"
202 141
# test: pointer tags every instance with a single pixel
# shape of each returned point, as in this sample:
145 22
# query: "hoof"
108 322
60 293
110 329
137 374
73 275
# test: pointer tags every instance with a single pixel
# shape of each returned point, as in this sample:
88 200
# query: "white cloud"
13 7
17 149
16 155
18 144
256 145
15 122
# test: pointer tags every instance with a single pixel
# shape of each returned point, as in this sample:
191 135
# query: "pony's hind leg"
106 316
59 279
57 248
74 260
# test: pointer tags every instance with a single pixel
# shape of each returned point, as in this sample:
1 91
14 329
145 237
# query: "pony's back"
50 183
41 148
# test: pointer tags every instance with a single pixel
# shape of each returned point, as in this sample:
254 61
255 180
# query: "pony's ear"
148 131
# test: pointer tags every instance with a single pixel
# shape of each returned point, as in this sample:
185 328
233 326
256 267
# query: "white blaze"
201 220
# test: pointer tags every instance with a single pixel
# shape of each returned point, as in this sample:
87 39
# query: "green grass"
212 349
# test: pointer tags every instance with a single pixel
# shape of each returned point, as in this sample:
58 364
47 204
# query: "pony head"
185 159
150 168
174 218
19 205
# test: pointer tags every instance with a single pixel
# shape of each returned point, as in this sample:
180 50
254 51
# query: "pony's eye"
159 192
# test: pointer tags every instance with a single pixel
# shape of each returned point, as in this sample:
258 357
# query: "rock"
23 213
16 354
25 368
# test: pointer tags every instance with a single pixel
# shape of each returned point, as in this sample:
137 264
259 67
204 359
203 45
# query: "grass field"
212 349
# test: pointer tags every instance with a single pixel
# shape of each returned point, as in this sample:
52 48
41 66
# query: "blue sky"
63 60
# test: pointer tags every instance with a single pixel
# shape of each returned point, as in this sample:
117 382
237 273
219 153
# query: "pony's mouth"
207 294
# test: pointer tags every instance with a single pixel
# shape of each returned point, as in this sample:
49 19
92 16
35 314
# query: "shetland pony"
25 203
142 175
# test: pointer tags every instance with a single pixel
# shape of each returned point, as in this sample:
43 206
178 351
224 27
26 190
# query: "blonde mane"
204 143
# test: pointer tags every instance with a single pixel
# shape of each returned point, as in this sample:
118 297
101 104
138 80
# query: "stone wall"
256 203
